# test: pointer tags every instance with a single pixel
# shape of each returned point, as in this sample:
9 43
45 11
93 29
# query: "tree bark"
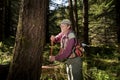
2 20
47 25
8 19
118 20
71 14
30 40
85 21
76 18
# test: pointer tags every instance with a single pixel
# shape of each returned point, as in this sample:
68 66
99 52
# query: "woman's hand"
52 38
51 58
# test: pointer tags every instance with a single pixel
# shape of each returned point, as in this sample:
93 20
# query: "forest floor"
99 63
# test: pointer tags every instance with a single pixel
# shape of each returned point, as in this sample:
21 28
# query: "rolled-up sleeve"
58 37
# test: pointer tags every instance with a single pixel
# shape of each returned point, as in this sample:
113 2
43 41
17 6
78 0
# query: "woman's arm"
67 51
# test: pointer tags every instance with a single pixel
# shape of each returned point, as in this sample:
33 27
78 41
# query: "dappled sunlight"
95 66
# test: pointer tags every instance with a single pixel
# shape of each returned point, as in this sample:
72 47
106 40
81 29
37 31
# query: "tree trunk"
71 14
85 21
76 18
118 20
7 18
47 25
2 20
30 40
4 71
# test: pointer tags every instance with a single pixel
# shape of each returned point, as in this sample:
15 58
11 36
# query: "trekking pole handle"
51 51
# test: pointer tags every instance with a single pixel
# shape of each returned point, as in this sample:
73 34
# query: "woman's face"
64 28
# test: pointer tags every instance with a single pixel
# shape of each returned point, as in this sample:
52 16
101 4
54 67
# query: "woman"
68 40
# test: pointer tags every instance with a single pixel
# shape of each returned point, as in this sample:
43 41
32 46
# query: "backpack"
78 49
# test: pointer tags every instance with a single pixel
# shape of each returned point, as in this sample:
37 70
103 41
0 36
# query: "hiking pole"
51 66
51 49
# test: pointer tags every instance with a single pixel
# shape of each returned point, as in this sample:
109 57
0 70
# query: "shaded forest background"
96 24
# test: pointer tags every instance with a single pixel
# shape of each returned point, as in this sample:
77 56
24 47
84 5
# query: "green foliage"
47 53
100 74
57 15
102 60
15 7
102 30
96 72
99 63
103 7
102 63
6 48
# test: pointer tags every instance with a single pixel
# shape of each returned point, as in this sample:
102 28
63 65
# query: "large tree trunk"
30 39
85 21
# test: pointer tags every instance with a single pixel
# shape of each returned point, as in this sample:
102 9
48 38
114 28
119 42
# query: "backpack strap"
77 49
71 35
51 48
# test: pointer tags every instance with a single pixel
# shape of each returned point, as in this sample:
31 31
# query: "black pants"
74 69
